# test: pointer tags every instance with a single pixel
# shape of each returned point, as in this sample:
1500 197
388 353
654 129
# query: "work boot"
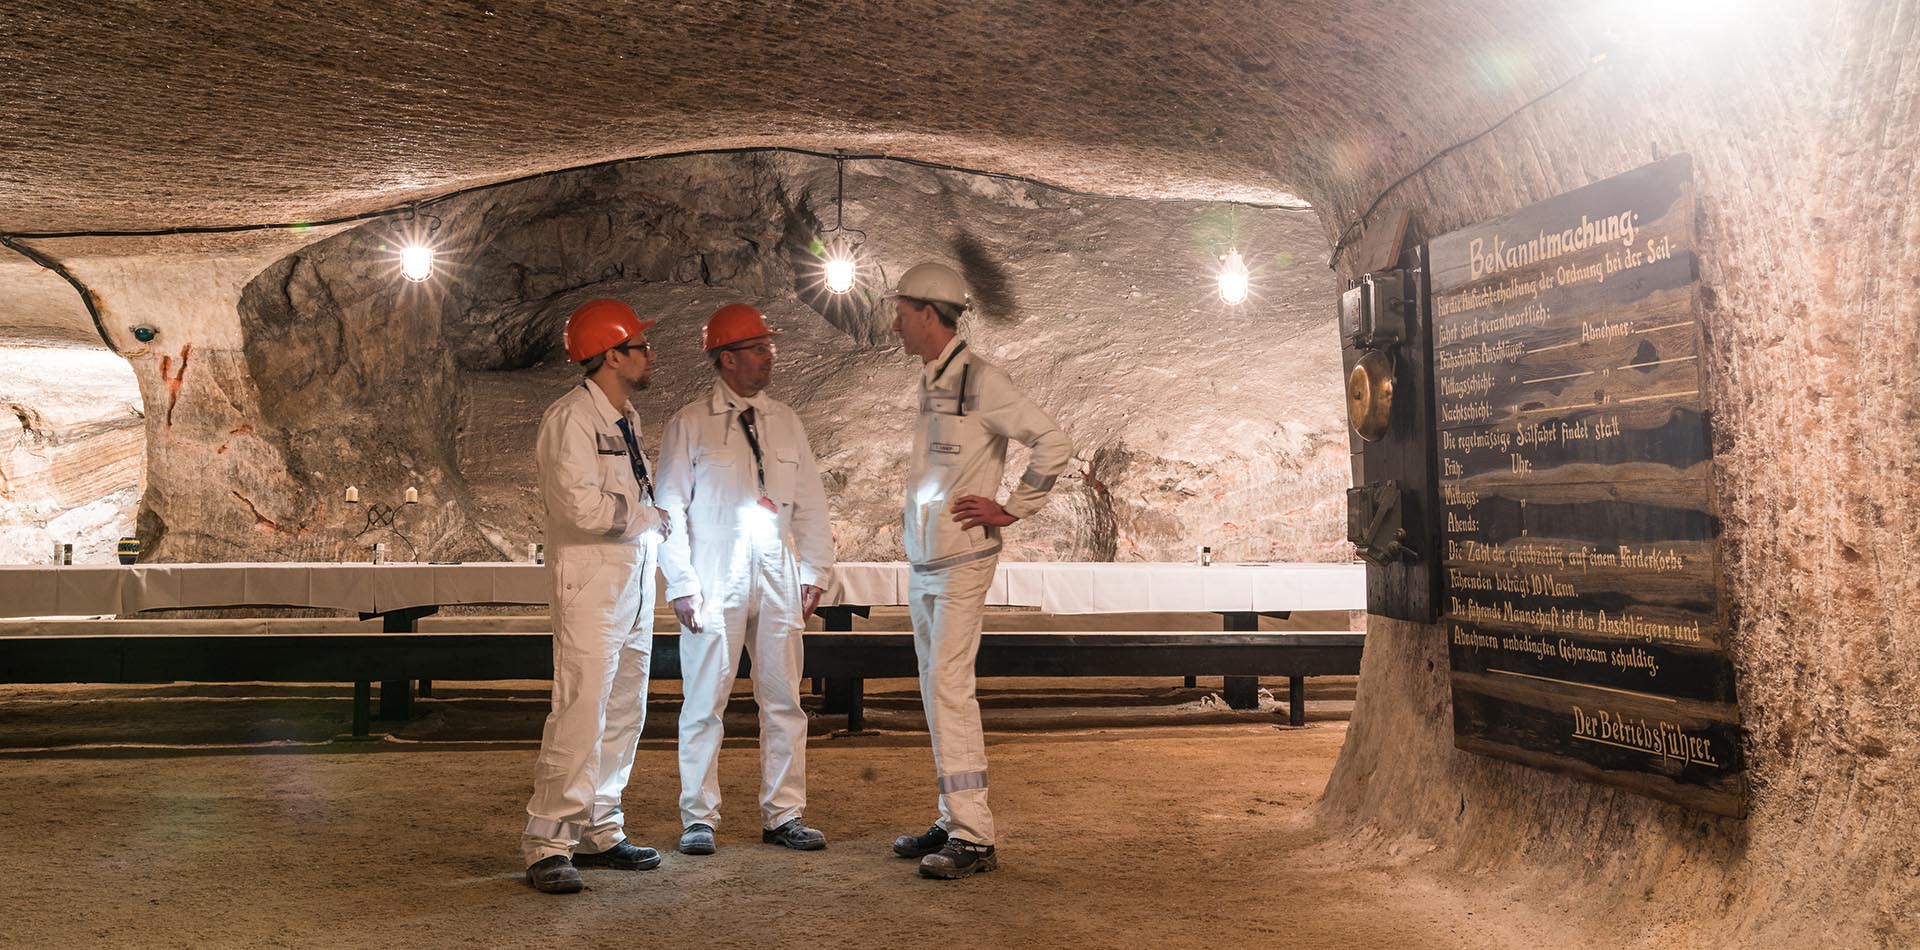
919 846
625 856
697 839
796 835
959 859
555 875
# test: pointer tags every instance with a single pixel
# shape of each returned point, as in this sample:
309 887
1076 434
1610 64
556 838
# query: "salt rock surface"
71 452
1194 422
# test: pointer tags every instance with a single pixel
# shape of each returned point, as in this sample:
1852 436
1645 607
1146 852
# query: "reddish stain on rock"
173 382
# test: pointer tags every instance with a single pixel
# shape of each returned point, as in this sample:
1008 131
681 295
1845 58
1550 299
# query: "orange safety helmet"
600 325
731 324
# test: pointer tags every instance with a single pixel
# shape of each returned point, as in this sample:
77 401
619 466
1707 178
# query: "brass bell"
1370 395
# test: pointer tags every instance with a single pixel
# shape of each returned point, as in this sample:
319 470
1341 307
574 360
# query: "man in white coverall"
745 565
968 411
602 529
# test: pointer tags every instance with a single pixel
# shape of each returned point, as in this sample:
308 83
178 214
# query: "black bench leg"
362 707
396 699
844 695
426 689
1243 692
1193 681
856 712
396 696
1297 700
818 685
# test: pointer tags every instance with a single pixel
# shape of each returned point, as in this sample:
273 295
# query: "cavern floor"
1174 827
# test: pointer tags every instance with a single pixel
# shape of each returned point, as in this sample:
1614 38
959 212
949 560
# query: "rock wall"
71 452
282 378
1802 121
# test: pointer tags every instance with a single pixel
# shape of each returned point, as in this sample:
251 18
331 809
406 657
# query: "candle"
413 495
353 495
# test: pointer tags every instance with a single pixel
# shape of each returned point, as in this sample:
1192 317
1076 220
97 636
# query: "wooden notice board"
1581 580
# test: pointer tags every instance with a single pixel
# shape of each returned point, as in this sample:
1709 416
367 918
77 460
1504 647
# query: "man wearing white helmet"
969 409
746 564
602 529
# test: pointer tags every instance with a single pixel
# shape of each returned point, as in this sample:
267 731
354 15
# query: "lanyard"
753 442
960 401
639 461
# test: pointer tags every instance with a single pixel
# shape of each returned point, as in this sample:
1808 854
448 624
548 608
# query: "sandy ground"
1133 813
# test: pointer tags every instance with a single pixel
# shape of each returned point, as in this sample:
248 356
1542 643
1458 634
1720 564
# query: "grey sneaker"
959 859
796 835
919 846
625 856
555 875
697 839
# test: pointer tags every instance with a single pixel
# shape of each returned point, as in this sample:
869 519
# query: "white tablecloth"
1094 588
1056 587
368 588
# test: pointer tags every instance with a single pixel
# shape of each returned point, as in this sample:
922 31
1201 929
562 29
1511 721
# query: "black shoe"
919 846
555 875
796 835
625 856
959 859
697 839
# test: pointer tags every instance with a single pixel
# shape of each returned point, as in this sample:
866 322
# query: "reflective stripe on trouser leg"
774 642
962 782
946 607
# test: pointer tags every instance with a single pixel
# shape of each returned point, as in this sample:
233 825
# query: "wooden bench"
306 651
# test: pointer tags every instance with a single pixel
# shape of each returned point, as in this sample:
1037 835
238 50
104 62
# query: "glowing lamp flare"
416 262
839 274
1233 277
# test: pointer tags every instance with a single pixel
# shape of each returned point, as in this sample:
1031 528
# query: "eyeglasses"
763 346
643 348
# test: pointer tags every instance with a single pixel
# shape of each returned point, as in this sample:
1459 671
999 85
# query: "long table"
401 594
374 589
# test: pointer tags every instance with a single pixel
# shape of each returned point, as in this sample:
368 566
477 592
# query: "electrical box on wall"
1391 508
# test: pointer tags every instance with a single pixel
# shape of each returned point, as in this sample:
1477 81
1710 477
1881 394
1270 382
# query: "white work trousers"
602 640
758 607
947 607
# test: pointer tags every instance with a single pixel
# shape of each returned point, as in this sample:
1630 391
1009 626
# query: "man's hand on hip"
687 611
972 511
809 601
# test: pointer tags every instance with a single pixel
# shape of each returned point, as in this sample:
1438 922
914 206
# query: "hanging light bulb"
1233 277
416 262
840 253
415 237
839 272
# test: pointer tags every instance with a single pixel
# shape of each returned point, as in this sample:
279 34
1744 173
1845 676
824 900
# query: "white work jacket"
711 487
968 411
587 483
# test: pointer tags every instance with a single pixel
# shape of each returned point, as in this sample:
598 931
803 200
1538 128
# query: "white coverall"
968 411
602 530
745 564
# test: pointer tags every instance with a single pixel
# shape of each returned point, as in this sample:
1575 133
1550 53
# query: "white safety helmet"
932 281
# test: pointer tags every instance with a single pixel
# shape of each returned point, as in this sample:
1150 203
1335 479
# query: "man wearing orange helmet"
745 566
602 531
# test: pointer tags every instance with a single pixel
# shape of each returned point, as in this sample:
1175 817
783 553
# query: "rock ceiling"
147 114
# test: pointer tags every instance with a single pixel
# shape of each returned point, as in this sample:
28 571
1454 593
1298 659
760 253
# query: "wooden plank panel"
1581 551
